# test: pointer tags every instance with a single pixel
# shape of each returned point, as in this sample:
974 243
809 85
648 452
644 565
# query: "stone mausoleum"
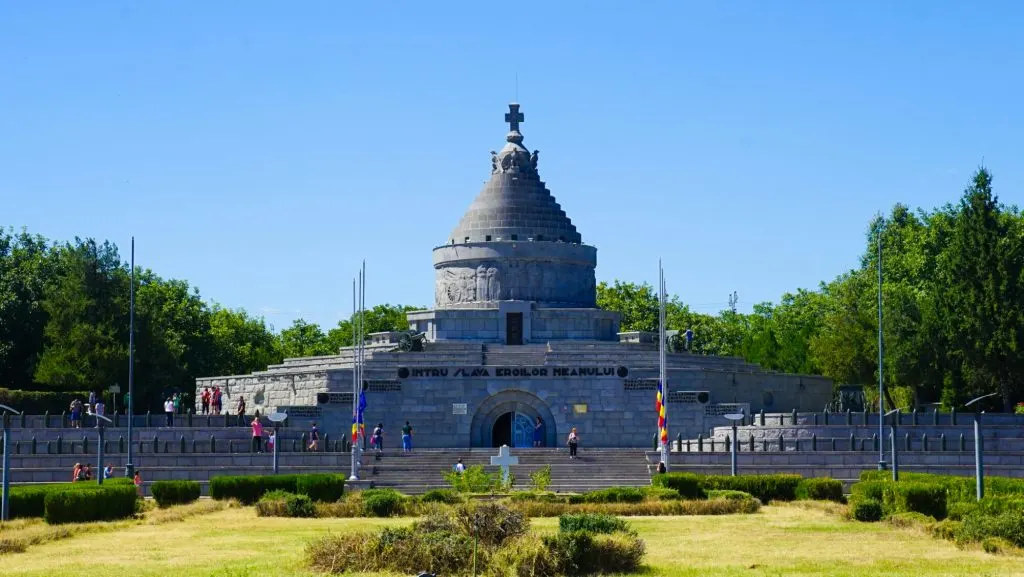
515 335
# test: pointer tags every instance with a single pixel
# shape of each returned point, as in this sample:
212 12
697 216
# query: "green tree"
241 343
304 339
25 264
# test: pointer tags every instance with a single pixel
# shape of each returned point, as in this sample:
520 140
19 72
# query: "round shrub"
978 526
583 553
865 509
927 498
447 496
660 493
820 489
493 523
167 493
381 502
299 506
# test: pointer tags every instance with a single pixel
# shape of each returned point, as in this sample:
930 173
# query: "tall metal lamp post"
5 506
892 441
101 422
979 481
276 418
734 417
129 468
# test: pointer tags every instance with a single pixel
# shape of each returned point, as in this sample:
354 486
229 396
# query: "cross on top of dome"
514 117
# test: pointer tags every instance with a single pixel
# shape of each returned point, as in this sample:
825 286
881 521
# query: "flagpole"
362 352
129 468
355 469
664 443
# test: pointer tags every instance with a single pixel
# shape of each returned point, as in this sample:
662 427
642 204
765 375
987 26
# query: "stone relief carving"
533 159
464 285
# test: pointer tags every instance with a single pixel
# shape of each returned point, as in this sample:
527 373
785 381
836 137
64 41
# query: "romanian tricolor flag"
660 408
355 430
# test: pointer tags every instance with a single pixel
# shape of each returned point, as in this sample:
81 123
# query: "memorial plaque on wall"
459 409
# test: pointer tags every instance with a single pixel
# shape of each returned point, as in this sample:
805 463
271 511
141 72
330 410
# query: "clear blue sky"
260 150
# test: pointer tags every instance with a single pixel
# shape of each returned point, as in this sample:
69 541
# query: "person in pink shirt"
257 435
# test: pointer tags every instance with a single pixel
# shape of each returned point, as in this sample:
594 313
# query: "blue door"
522 430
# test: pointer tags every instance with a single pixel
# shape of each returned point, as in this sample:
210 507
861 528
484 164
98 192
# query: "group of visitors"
377 438
79 410
84 472
211 401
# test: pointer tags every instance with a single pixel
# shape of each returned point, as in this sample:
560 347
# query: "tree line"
953 304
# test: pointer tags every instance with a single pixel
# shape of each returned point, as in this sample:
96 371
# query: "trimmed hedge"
820 489
167 493
778 487
927 498
381 502
446 496
979 527
866 509
249 488
958 489
30 500
102 504
610 495
688 485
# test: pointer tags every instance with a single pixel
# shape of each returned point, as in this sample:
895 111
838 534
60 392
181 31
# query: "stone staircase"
421 470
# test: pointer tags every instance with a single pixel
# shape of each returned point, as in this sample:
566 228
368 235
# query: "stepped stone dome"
515 204
515 243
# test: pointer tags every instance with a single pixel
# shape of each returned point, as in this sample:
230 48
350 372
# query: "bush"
957 511
929 499
997 545
540 497
820 489
540 479
299 506
381 502
778 487
249 488
493 523
167 493
945 529
610 495
958 489
284 504
473 480
581 553
101 504
978 526
448 496
321 487
729 495
646 508
592 523
526 556
657 493
866 509
687 485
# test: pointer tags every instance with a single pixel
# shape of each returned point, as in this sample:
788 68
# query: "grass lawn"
786 540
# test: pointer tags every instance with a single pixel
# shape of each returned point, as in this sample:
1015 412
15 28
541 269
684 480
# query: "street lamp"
5 506
892 441
979 484
276 418
100 420
734 417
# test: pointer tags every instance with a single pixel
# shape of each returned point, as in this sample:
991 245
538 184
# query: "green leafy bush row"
688 485
249 488
103 504
30 500
778 487
168 493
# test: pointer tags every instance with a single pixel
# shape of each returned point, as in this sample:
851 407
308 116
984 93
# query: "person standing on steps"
377 438
257 435
169 411
407 438
459 467
314 438
574 442
538 433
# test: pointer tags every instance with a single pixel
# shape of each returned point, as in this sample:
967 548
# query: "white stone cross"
504 459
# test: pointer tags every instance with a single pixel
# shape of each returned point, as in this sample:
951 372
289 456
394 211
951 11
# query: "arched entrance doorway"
510 413
513 429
